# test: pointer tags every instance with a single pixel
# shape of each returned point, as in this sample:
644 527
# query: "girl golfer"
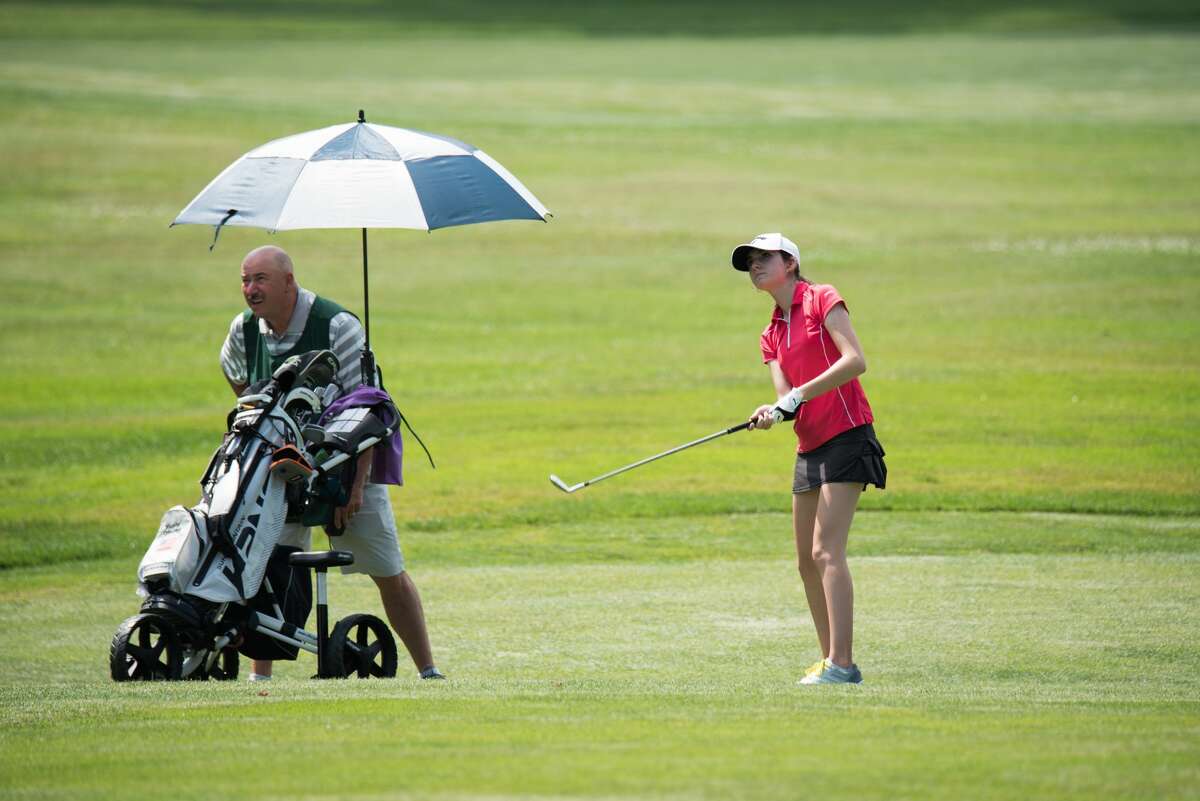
815 360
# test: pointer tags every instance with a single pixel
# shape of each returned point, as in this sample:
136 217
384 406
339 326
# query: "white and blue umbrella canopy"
363 175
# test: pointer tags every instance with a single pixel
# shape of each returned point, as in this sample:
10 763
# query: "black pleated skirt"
852 457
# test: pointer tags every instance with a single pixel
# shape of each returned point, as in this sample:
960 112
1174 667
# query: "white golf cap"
774 241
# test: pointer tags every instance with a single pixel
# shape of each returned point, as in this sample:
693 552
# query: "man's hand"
785 408
762 417
343 514
362 470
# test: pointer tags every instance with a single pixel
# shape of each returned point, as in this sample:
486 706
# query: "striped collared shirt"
346 340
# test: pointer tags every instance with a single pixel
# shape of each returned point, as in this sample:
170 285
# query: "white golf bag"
204 575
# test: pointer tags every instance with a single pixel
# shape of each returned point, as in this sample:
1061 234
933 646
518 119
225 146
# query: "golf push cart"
205 579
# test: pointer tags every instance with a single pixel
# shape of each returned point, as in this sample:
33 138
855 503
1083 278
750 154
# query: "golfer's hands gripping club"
762 418
783 409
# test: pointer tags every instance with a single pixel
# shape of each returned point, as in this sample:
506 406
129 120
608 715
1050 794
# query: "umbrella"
362 175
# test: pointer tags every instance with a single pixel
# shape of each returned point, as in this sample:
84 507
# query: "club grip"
741 427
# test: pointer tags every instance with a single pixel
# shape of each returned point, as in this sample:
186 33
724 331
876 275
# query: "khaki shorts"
371 536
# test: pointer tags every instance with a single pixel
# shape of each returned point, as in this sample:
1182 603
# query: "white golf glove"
787 405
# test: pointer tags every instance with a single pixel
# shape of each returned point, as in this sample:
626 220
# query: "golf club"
562 485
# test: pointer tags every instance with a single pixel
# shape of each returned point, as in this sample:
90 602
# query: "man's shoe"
834 674
432 673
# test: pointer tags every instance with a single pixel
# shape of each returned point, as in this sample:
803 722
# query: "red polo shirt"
800 343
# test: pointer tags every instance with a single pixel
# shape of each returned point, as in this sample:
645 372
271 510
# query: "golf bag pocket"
290 464
291 588
172 556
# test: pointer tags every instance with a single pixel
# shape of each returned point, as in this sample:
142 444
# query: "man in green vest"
284 319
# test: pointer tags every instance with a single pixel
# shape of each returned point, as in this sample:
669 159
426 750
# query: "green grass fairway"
1006 195
989 675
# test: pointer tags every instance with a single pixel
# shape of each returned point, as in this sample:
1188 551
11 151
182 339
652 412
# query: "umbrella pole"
368 358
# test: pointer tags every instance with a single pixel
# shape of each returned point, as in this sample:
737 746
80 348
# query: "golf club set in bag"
206 579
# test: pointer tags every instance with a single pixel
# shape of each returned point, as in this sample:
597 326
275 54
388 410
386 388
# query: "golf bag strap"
417 437
404 422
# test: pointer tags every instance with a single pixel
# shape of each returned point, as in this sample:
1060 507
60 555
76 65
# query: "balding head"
269 257
269 286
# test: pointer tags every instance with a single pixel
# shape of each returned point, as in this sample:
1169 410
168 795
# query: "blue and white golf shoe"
829 673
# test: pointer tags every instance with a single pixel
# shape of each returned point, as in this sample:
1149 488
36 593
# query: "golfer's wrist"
790 401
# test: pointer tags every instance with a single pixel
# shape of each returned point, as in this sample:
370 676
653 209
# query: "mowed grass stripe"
651 529
519 625
435 748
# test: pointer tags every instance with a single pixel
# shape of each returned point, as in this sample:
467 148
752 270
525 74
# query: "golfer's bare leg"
403 607
835 512
261 666
804 518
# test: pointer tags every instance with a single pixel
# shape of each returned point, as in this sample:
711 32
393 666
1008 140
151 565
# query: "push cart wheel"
145 648
364 646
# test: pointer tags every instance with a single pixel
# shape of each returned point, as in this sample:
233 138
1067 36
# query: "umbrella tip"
361 117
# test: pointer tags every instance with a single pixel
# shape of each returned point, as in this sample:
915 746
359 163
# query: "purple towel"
387 461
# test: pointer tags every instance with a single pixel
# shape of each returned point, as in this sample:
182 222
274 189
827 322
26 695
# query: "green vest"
261 364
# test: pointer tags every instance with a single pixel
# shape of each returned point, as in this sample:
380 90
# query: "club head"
562 485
